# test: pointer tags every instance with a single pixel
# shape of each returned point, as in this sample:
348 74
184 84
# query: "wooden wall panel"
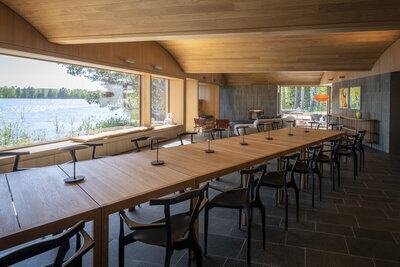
235 101
284 78
209 100
192 103
17 34
176 100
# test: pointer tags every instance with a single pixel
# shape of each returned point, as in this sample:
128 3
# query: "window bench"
115 142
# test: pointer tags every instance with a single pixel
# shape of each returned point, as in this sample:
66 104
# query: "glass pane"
158 101
299 101
53 101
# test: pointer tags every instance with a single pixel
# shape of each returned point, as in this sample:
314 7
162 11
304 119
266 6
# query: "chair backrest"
196 195
361 135
62 242
290 163
315 154
223 123
199 122
250 196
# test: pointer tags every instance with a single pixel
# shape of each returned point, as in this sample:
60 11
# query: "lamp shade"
321 98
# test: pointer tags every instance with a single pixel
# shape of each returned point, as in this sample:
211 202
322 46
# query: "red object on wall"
321 98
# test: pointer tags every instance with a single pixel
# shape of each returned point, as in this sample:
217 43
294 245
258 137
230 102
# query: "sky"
24 72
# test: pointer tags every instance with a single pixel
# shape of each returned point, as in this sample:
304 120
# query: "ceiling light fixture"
330 79
157 67
341 77
130 60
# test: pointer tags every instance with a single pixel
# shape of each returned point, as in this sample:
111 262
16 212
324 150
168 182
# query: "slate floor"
356 225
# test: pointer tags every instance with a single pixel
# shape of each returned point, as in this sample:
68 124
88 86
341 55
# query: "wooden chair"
174 232
278 180
201 124
240 199
62 242
222 125
17 158
309 167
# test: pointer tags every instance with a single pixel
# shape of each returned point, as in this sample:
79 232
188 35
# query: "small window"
159 100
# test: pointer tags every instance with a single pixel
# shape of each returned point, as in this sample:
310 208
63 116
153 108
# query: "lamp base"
157 162
74 180
269 138
208 151
290 134
243 144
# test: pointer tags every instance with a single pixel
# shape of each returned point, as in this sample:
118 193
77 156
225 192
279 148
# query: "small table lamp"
209 131
269 130
157 161
290 128
243 143
72 150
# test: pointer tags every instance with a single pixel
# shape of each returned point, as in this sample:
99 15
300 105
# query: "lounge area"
225 133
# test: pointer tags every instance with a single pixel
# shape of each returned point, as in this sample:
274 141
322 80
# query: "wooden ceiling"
85 21
294 40
313 52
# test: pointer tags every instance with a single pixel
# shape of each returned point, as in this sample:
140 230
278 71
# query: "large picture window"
299 101
159 100
44 101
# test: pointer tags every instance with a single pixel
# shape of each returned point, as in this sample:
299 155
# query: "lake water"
42 115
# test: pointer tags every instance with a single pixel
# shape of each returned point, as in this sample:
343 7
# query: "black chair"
278 180
241 199
62 242
174 232
336 126
347 150
94 146
332 160
136 140
17 158
185 134
309 166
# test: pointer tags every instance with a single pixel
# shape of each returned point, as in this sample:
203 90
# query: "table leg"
97 255
104 239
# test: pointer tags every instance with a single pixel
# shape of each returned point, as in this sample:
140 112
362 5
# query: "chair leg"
121 255
338 171
205 229
355 160
363 156
240 218
189 256
180 138
168 254
333 176
276 197
262 210
286 209
313 189
320 187
137 146
296 191
197 252
249 220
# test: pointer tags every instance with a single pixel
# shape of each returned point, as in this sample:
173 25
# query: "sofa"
253 124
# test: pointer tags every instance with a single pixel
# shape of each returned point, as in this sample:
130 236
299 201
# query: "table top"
127 180
41 198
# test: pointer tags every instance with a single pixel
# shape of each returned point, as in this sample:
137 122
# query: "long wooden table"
45 204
